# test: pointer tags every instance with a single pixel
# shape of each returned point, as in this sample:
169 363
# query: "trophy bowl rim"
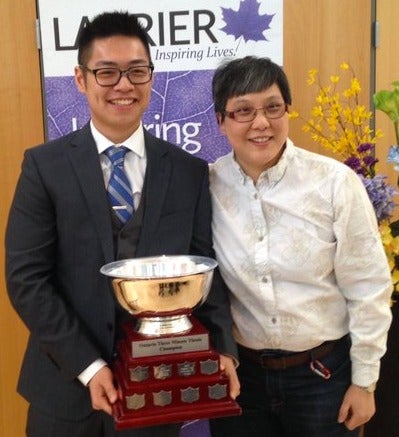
203 264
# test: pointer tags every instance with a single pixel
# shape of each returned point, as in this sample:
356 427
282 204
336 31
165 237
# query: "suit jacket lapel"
157 182
85 161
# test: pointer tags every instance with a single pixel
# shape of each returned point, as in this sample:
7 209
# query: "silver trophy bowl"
161 291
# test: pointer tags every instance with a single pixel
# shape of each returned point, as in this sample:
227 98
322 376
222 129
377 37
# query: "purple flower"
366 147
381 196
354 163
370 161
364 163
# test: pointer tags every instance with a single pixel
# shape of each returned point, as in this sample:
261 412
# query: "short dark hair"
110 24
247 75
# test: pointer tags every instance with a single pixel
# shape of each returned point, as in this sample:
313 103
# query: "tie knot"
116 154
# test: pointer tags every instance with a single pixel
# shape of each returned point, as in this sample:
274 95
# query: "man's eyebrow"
132 63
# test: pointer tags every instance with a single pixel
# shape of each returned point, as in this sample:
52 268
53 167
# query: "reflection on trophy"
165 368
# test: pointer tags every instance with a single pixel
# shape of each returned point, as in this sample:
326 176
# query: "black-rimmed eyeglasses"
247 114
110 76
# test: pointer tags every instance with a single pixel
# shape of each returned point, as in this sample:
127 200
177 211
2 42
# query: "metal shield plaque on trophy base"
166 369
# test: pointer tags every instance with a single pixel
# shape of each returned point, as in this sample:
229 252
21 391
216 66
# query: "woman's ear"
220 121
219 118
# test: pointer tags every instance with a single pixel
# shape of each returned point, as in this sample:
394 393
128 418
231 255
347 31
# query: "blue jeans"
294 402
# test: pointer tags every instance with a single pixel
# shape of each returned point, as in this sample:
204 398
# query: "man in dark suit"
61 230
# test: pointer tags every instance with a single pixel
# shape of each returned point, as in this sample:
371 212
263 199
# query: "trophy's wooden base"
172 387
125 419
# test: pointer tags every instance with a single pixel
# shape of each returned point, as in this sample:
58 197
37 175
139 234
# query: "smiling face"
116 111
257 144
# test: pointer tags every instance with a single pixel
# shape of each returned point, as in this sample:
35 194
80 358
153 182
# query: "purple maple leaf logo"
246 22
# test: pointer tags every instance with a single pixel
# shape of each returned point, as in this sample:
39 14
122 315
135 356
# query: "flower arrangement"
341 124
388 102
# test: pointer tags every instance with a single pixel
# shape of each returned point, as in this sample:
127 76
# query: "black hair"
110 24
247 75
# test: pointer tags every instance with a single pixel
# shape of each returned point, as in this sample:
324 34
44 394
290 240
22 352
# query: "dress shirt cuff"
90 371
364 376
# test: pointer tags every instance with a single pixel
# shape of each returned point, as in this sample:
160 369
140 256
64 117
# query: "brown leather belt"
285 361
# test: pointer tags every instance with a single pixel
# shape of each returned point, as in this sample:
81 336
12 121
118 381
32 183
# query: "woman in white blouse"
297 242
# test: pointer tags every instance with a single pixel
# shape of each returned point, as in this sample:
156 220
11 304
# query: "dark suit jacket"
59 235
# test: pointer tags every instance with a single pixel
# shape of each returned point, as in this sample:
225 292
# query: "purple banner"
181 111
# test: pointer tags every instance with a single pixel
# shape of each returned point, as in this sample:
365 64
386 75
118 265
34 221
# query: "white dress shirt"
135 166
135 163
301 253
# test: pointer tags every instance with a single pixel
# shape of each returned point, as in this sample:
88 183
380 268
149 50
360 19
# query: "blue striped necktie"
119 189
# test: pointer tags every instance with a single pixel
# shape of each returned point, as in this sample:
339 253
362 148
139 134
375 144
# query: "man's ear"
80 80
